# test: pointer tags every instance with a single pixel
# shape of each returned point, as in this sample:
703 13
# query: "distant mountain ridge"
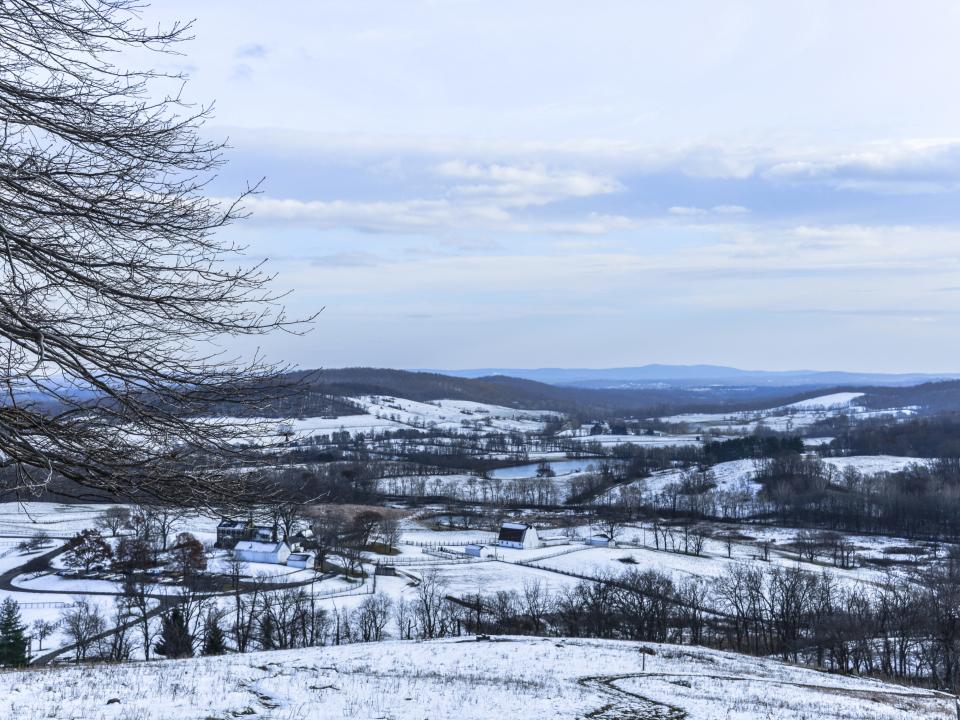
686 375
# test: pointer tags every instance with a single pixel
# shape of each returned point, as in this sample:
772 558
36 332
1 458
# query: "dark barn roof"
512 533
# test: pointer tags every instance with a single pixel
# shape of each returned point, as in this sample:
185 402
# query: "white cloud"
534 184
889 167
686 210
731 210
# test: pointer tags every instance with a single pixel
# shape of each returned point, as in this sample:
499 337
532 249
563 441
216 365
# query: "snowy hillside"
515 677
794 416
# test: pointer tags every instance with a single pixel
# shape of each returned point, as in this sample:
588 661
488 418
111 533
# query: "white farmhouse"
262 552
518 536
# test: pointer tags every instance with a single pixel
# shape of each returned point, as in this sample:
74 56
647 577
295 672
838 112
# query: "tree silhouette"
115 296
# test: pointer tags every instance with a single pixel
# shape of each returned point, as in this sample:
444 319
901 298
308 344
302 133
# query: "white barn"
262 552
518 536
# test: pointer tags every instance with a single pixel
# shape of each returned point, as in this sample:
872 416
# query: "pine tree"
266 633
214 642
13 641
175 640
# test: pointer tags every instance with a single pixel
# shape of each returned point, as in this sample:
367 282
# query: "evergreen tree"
175 640
266 633
214 642
13 641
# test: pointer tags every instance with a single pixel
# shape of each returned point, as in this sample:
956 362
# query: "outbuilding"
518 536
480 551
262 552
600 540
301 560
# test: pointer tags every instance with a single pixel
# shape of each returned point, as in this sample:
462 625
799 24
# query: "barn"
518 536
262 552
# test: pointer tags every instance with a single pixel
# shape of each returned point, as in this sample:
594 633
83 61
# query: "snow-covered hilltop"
532 678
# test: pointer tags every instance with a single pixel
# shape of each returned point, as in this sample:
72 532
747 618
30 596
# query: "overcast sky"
471 183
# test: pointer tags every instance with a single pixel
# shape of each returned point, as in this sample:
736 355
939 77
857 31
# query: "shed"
253 551
480 551
600 540
301 560
518 536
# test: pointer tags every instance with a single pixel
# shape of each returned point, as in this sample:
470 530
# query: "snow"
651 441
827 402
532 678
874 464
786 418
727 476
454 415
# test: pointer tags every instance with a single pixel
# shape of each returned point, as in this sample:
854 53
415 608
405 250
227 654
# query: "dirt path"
627 705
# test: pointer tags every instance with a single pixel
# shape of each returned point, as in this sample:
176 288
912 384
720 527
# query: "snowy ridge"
534 678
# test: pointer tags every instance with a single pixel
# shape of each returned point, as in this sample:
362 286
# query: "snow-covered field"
874 464
455 415
531 678
794 416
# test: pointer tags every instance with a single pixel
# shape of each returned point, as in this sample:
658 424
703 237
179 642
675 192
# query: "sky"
477 183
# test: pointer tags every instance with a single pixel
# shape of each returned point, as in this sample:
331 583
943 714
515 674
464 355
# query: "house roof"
514 526
254 546
512 533
232 524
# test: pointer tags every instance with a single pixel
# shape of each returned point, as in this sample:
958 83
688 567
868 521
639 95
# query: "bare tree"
372 616
536 604
39 539
42 629
81 624
329 526
403 614
141 607
429 603
114 296
113 519
389 532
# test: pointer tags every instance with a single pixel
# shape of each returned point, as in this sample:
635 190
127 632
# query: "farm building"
230 532
301 560
261 533
600 540
263 552
518 536
480 551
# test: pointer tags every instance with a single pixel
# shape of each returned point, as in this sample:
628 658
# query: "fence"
566 551
438 559
45 605
365 588
440 543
